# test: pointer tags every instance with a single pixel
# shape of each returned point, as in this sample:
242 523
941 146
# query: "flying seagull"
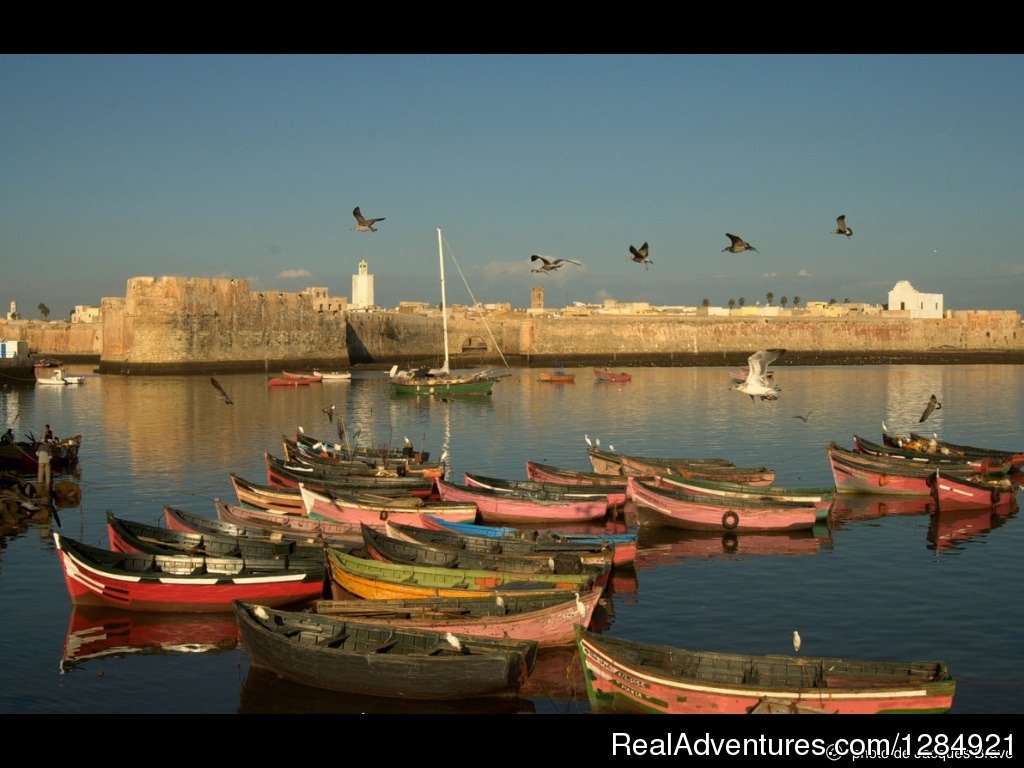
933 403
757 384
841 228
803 417
550 265
223 395
639 255
364 225
330 413
739 245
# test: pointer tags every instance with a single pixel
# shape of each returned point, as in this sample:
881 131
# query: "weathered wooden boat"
392 547
549 619
313 377
141 538
558 376
648 467
299 453
954 491
632 676
546 473
286 525
98 632
951 528
333 375
610 462
985 465
189 522
281 474
19 457
355 571
675 509
505 508
345 451
180 583
856 472
821 498
623 544
353 511
267 496
603 374
284 381
544 490
381 660
932 446
596 554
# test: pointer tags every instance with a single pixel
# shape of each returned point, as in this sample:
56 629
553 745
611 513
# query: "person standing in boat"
48 435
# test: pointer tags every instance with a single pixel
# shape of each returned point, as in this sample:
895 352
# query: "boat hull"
504 509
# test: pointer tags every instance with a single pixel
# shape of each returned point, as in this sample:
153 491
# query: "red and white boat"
962 491
856 472
674 509
180 583
506 508
353 511
312 378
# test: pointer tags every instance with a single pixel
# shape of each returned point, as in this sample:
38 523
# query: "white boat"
58 378
334 375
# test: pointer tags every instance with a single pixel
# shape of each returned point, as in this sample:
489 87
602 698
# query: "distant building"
13 314
83 313
904 297
362 288
322 302
537 297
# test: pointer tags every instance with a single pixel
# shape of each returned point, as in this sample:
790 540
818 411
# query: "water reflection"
951 529
657 547
855 507
95 632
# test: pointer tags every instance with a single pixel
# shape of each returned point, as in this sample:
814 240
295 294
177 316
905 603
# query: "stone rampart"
57 338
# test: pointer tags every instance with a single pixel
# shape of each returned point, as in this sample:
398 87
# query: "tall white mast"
444 302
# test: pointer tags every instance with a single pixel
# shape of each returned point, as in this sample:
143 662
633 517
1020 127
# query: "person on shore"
44 477
48 435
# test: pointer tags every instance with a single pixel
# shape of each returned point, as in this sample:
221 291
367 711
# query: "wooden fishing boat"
549 619
411 550
189 522
612 462
932 446
355 571
675 509
603 374
623 544
984 465
381 660
543 490
267 497
343 451
180 583
283 381
546 473
313 378
19 457
821 498
141 538
98 632
281 474
954 491
299 454
507 508
286 525
558 376
648 467
353 511
333 375
856 472
596 554
627 675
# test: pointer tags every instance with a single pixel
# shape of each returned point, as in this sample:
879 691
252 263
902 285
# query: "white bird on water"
796 641
757 384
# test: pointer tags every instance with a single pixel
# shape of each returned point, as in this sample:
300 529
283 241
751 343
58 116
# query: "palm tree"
796 301
743 302
831 302
43 310
771 297
732 303
706 303
846 301
784 301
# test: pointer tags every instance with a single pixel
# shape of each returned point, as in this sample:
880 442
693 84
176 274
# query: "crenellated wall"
193 324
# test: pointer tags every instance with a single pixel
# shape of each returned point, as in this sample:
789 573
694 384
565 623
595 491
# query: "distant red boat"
558 377
603 374
283 381
313 378
180 583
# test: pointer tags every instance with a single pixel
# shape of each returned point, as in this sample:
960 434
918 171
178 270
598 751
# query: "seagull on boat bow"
757 384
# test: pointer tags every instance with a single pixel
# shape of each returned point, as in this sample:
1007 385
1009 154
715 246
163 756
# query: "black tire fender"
730 520
383 514
730 543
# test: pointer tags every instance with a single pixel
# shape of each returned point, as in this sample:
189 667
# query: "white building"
362 288
904 296
83 313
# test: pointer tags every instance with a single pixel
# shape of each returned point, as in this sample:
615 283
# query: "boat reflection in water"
664 546
854 507
265 693
96 632
557 678
950 529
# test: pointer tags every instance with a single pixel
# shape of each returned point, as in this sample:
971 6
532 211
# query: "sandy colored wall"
59 338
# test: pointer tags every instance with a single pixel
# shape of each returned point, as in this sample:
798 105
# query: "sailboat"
442 381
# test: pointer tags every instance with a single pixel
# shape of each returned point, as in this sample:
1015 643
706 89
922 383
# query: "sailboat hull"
442 386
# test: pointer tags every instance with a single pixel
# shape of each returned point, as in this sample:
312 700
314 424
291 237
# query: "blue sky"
248 166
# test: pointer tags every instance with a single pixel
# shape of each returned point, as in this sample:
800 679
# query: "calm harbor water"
888 580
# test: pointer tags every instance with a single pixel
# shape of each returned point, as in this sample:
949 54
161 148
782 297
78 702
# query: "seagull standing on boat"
841 228
639 255
223 395
738 245
363 224
757 384
933 403
550 265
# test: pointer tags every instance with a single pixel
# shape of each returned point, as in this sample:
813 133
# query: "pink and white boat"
856 472
674 509
820 497
546 473
508 508
563 491
963 491
353 511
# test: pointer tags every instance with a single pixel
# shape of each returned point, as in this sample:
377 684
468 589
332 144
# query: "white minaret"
362 288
